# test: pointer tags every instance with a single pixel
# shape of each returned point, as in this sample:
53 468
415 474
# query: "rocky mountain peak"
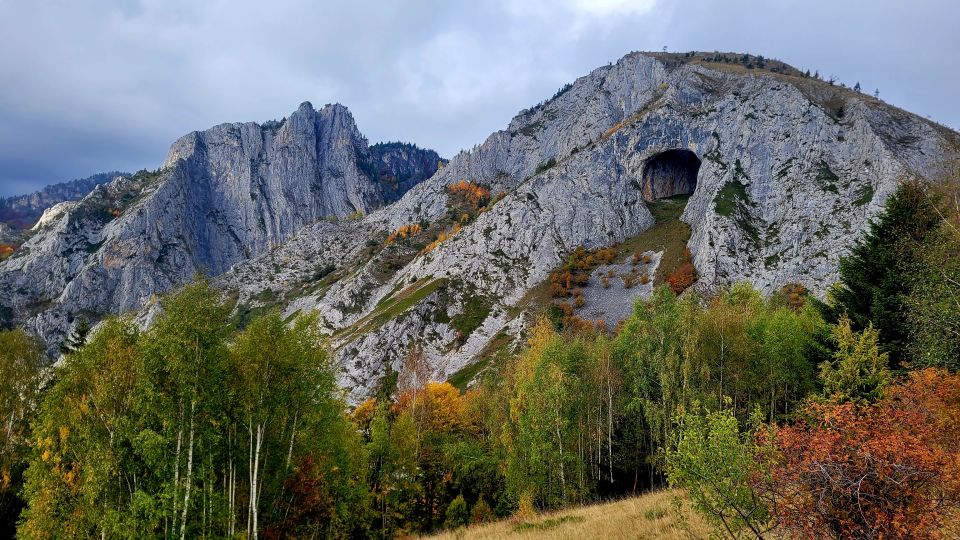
755 174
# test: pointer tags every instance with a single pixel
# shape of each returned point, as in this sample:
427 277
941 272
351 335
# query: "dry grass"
651 516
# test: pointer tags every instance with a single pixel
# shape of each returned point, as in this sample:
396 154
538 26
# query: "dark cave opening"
670 173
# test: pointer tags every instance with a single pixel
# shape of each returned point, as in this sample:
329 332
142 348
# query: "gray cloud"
100 85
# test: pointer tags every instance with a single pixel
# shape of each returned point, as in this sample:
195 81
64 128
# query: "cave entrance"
670 173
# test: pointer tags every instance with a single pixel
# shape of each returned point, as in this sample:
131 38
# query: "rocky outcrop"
223 196
22 212
400 166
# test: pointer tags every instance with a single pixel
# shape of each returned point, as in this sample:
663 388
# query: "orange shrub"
578 301
884 470
472 194
442 237
404 232
684 276
6 250
795 295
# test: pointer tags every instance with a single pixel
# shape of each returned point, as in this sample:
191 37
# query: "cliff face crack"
670 173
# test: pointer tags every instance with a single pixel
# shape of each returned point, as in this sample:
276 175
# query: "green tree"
934 299
21 358
875 276
858 372
77 336
541 462
457 514
714 462
83 478
186 405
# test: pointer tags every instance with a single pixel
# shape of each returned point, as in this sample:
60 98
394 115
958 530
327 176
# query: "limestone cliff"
780 173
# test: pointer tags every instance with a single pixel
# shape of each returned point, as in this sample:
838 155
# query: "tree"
875 276
77 337
715 464
457 514
856 87
933 301
858 372
82 479
539 462
173 433
21 358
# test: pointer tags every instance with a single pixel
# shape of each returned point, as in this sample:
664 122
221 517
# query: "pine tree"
875 276
77 338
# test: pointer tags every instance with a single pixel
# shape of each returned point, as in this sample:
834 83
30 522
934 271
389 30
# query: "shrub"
457 514
794 295
684 276
884 470
481 513
442 237
715 463
404 232
469 194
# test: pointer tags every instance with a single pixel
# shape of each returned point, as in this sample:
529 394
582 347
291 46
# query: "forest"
778 416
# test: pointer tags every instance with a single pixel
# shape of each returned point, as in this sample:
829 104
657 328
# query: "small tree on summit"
856 87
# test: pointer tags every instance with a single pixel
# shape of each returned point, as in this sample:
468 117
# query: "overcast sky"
95 85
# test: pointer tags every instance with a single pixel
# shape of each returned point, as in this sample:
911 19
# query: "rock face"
223 196
23 211
400 166
782 173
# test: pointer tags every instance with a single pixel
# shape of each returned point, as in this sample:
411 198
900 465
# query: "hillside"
780 172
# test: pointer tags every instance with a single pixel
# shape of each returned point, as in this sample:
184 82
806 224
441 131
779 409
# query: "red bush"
684 276
886 470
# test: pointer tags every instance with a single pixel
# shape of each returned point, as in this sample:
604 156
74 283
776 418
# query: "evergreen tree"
858 372
77 337
875 276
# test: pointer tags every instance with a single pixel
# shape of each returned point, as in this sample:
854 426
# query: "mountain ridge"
788 171
23 211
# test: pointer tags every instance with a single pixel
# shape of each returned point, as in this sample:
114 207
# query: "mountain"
23 211
222 196
763 174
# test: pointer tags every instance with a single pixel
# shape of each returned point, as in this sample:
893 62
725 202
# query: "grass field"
651 516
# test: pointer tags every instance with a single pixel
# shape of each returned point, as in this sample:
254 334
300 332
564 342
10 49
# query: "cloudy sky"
94 85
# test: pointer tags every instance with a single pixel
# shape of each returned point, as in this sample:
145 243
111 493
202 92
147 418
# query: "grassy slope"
650 516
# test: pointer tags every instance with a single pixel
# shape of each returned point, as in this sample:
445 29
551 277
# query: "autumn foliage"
684 276
6 250
575 272
404 232
884 470
442 237
795 295
473 195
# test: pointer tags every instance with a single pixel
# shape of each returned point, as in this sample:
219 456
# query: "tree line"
194 429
